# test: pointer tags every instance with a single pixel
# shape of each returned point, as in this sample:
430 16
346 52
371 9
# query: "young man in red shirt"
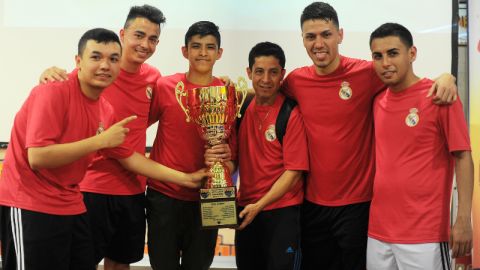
43 219
175 239
418 146
115 196
271 172
335 97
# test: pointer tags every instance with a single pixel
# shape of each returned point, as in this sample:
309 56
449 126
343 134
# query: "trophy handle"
240 87
179 93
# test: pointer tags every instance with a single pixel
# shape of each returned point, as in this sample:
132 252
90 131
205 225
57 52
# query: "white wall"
37 34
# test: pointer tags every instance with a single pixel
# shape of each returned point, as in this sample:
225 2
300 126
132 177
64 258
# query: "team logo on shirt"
270 134
412 118
148 92
100 128
345 92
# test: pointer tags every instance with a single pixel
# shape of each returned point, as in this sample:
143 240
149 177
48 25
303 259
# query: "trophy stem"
221 176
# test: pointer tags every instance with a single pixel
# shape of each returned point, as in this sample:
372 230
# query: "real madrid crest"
100 128
412 118
148 92
270 134
345 92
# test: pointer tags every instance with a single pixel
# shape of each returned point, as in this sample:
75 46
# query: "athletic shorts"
38 241
175 236
334 237
118 226
271 241
389 256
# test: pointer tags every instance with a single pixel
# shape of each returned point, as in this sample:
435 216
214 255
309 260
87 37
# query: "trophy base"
218 208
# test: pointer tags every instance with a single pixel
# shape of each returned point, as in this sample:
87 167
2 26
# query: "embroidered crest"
148 92
100 128
412 118
270 134
345 92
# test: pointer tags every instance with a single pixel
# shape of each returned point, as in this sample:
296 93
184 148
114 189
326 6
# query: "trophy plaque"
214 109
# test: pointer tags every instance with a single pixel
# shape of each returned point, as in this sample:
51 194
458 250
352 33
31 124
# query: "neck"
128 66
199 78
329 68
265 101
90 92
410 80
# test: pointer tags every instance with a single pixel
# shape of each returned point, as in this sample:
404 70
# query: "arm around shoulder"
461 234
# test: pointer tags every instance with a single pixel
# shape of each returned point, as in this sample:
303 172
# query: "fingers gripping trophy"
214 109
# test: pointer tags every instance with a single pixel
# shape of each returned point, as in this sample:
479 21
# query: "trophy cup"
214 110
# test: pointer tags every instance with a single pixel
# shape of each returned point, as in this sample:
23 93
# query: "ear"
283 74
340 35
78 59
122 34
249 73
185 52
412 54
219 53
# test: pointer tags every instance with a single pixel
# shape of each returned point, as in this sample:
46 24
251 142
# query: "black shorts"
175 236
34 240
271 241
334 237
118 226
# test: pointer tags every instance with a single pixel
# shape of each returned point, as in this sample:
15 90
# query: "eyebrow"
389 50
199 43
113 54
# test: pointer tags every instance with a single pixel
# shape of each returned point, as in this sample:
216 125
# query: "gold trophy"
214 110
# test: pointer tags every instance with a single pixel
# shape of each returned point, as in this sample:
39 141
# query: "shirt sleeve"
48 105
295 149
285 88
154 113
454 126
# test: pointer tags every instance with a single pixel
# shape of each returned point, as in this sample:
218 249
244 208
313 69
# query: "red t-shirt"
337 112
130 94
262 159
413 182
54 113
178 144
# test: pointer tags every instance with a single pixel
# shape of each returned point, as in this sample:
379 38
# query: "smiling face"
98 66
321 39
393 61
140 40
202 53
266 75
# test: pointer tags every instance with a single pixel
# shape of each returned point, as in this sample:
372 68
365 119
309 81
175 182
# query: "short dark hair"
266 49
393 29
100 35
151 13
319 11
203 28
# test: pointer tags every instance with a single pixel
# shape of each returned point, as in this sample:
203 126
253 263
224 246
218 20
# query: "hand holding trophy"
214 109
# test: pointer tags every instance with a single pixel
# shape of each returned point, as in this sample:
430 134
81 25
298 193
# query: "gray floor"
219 263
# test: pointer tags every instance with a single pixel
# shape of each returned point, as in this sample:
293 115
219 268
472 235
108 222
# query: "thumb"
125 121
243 213
432 89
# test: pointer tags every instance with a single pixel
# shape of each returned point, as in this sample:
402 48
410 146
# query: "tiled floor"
219 263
